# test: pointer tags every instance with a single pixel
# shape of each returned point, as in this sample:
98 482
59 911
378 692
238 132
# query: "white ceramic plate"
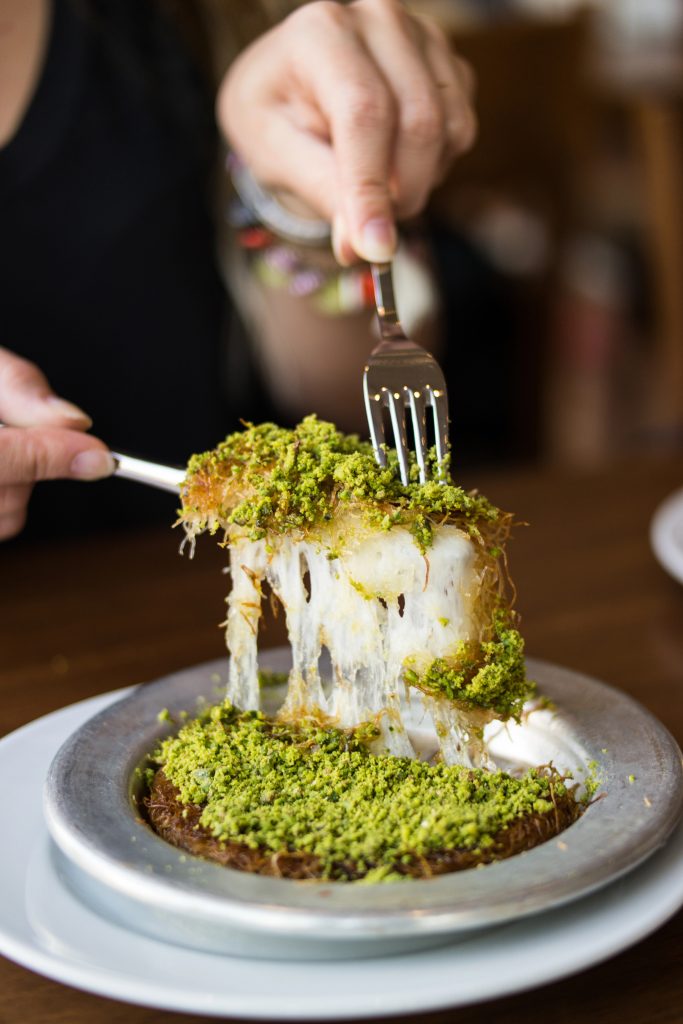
45 928
666 535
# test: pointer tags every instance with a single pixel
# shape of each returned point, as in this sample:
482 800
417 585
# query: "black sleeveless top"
107 273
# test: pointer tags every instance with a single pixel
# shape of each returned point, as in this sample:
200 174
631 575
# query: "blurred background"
556 243
571 210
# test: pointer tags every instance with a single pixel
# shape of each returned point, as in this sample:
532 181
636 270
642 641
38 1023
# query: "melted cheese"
374 602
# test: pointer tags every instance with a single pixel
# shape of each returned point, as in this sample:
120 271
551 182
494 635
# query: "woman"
349 113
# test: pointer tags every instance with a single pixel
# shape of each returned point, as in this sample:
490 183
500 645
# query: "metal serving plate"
119 867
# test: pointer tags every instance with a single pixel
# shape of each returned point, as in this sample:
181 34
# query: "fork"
166 478
402 375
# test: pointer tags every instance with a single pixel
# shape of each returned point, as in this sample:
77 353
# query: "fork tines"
402 375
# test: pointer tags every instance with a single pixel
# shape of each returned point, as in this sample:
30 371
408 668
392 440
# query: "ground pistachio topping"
490 674
269 479
278 786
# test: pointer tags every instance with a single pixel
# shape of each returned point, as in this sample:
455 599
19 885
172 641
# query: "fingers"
355 109
360 110
305 167
310 111
44 440
26 398
46 453
13 507
396 44
275 126
13 499
431 89
455 81
28 454
12 524
434 88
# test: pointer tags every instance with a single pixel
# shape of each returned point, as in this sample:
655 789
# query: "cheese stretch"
373 607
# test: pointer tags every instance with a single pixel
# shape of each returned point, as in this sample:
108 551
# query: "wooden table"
84 617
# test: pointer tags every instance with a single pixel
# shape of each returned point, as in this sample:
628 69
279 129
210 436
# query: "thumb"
366 224
27 400
48 453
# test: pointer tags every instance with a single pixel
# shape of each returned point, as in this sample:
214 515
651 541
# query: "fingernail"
92 465
378 239
67 409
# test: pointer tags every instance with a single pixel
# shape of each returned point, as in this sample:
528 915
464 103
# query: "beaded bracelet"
336 292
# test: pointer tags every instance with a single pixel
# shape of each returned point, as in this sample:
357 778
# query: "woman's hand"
357 110
42 439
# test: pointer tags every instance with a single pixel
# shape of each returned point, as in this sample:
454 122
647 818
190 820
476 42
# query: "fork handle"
383 284
166 478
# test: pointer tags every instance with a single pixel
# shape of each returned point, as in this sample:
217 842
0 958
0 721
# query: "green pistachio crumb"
488 675
593 779
278 786
272 480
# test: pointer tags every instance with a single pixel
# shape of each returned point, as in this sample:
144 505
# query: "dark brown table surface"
82 617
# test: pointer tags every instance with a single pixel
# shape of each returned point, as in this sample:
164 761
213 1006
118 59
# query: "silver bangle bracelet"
271 213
